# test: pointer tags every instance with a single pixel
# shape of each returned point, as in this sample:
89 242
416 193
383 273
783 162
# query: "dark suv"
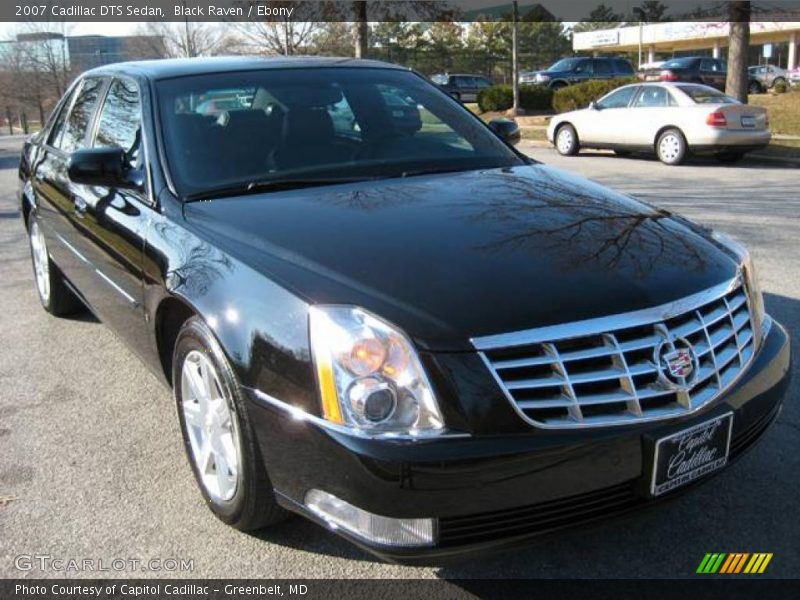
574 70
463 88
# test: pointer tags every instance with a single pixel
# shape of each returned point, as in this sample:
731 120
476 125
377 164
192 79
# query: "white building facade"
777 41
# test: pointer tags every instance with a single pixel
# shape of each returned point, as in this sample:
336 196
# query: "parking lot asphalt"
92 466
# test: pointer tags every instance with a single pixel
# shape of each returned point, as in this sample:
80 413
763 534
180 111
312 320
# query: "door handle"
80 206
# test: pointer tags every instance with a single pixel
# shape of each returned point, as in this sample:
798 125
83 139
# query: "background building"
770 42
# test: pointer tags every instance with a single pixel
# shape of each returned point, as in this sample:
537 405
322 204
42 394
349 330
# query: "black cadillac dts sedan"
373 311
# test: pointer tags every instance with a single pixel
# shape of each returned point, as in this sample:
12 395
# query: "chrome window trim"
608 326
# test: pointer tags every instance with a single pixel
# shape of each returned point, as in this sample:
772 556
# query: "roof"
181 67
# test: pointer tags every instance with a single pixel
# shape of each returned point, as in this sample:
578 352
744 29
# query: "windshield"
565 64
679 63
315 124
706 95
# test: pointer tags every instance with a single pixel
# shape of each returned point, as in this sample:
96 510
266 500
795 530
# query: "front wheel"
671 147
567 141
217 432
754 88
55 296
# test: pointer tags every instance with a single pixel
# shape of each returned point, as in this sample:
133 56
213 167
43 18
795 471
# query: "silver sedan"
670 119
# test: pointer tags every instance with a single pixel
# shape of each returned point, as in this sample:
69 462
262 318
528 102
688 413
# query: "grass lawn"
783 110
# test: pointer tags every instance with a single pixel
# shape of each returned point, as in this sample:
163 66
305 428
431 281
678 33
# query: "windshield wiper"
269 185
430 171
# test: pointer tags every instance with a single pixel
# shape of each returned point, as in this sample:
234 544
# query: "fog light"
370 527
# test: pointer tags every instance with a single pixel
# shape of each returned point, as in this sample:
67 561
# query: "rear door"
649 112
55 193
602 69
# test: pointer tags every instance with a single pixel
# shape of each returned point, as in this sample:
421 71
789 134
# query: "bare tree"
738 46
285 37
42 48
188 39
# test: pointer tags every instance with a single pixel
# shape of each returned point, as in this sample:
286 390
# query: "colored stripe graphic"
735 562
767 558
711 562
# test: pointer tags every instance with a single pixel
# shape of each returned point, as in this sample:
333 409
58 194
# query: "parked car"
670 119
574 70
693 69
414 336
462 87
764 77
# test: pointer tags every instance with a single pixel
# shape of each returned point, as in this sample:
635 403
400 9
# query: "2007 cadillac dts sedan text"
374 312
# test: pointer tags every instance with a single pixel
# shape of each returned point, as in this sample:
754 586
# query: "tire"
557 86
566 140
219 433
778 80
754 88
730 157
55 296
671 147
622 153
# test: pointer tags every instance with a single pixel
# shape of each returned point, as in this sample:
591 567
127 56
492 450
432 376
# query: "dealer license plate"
692 453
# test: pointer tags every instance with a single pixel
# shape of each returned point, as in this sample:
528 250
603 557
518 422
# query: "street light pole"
515 57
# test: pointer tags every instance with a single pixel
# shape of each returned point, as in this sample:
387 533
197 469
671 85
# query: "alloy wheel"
212 427
41 262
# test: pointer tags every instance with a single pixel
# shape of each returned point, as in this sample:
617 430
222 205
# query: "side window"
58 125
602 67
344 121
707 64
74 132
618 98
119 123
671 99
623 67
651 97
584 67
483 83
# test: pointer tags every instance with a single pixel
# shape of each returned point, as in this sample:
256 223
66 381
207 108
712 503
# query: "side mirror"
506 129
593 105
100 166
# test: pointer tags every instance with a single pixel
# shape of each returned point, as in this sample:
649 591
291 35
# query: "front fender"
261 326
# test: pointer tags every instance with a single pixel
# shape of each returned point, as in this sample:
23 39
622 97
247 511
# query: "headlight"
369 375
750 280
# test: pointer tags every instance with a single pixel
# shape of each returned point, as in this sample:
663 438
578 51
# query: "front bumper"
490 491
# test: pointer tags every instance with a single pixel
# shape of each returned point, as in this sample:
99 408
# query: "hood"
450 257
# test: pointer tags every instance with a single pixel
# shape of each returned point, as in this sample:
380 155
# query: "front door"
112 221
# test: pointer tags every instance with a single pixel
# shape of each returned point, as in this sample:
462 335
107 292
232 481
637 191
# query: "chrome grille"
606 371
